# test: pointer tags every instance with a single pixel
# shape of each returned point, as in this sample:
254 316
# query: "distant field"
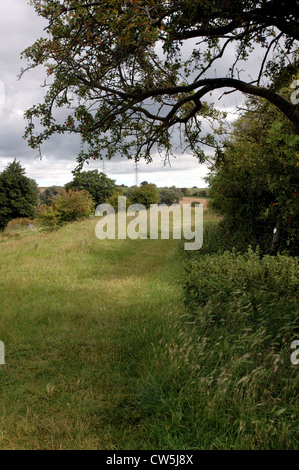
193 191
189 200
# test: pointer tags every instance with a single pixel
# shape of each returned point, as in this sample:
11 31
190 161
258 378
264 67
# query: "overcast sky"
19 28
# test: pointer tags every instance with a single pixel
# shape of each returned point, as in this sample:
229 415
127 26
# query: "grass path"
81 320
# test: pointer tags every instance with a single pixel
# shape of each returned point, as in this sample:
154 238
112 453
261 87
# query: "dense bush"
254 183
19 223
146 195
18 194
69 206
219 237
243 310
248 276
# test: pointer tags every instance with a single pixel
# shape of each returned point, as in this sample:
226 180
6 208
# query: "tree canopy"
18 194
48 195
98 185
170 196
255 181
146 195
131 72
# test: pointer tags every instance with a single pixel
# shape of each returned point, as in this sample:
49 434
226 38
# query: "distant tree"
128 191
18 194
145 195
184 191
48 195
144 183
98 185
113 200
170 196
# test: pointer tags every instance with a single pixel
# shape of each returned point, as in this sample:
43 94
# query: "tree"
18 194
68 206
48 195
170 196
123 96
255 182
146 195
98 185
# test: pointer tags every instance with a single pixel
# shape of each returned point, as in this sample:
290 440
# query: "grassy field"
80 319
102 353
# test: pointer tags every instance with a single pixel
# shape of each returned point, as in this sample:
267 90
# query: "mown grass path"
81 320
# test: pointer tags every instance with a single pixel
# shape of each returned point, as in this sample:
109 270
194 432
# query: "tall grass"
105 349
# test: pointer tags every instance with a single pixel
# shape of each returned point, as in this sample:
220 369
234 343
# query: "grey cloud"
19 28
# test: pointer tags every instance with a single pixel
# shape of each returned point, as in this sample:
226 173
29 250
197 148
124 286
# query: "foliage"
49 194
19 223
202 193
170 196
68 206
18 194
124 97
168 377
98 185
244 309
128 191
146 195
255 182
113 200
249 277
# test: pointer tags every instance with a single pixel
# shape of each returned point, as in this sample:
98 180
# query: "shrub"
69 206
243 312
16 224
218 238
254 182
245 292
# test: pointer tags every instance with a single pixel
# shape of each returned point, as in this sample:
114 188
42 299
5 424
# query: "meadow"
107 348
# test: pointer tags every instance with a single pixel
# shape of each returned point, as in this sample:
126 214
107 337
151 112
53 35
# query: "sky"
20 26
